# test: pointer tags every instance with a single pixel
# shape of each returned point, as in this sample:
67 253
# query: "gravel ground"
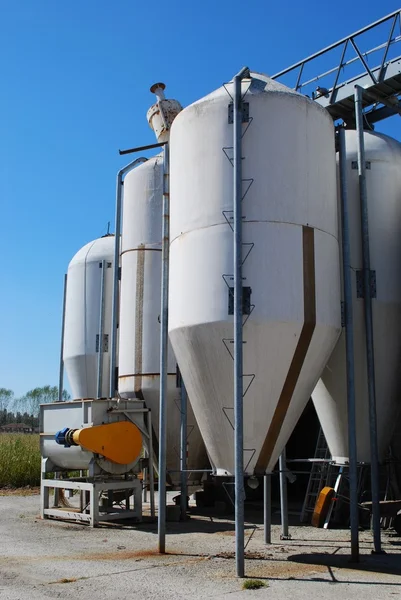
53 559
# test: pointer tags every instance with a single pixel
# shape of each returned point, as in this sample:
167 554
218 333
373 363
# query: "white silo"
290 263
383 181
90 271
140 291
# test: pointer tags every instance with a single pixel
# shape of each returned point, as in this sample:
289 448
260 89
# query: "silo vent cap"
158 89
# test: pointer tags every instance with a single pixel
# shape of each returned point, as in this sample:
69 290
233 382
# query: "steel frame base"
92 513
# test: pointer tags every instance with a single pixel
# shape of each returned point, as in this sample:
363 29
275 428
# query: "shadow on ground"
383 563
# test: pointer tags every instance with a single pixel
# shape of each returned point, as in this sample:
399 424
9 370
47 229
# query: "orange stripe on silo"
308 248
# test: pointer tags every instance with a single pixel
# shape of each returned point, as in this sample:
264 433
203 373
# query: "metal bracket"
245 113
246 300
360 292
105 347
354 165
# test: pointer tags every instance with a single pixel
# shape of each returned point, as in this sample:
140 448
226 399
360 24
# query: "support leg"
283 497
267 508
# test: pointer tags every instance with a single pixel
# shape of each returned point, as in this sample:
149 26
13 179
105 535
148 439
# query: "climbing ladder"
318 477
324 473
247 247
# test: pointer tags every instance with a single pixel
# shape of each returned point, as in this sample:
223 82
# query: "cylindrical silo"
383 181
140 291
290 263
88 297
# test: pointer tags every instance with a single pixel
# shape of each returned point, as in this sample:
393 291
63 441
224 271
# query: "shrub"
253 584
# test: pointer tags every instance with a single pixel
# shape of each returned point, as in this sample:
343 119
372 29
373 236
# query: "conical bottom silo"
383 181
85 279
140 302
290 263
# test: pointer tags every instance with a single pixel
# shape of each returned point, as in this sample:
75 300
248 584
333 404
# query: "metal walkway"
334 88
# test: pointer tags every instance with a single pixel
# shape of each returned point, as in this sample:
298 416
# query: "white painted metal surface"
82 314
77 414
383 157
289 198
139 325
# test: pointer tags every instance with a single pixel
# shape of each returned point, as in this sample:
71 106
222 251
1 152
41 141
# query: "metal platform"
334 88
91 509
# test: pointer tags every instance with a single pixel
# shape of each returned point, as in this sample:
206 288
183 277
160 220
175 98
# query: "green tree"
41 395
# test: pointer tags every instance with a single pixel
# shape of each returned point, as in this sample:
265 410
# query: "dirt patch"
25 491
284 570
127 555
248 555
66 580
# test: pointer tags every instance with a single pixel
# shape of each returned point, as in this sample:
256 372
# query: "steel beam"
267 507
370 360
349 349
285 535
61 371
238 341
163 353
183 450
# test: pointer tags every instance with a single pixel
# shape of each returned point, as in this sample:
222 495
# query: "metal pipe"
192 471
141 148
349 349
267 508
183 450
102 265
370 361
340 66
114 317
151 466
61 372
145 477
116 272
387 48
238 341
283 497
301 70
363 61
163 353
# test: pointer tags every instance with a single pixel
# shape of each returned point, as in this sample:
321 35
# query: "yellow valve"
119 442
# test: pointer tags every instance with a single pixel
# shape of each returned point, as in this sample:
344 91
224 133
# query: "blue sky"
75 88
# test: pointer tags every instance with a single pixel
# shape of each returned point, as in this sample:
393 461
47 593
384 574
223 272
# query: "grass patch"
253 584
19 460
